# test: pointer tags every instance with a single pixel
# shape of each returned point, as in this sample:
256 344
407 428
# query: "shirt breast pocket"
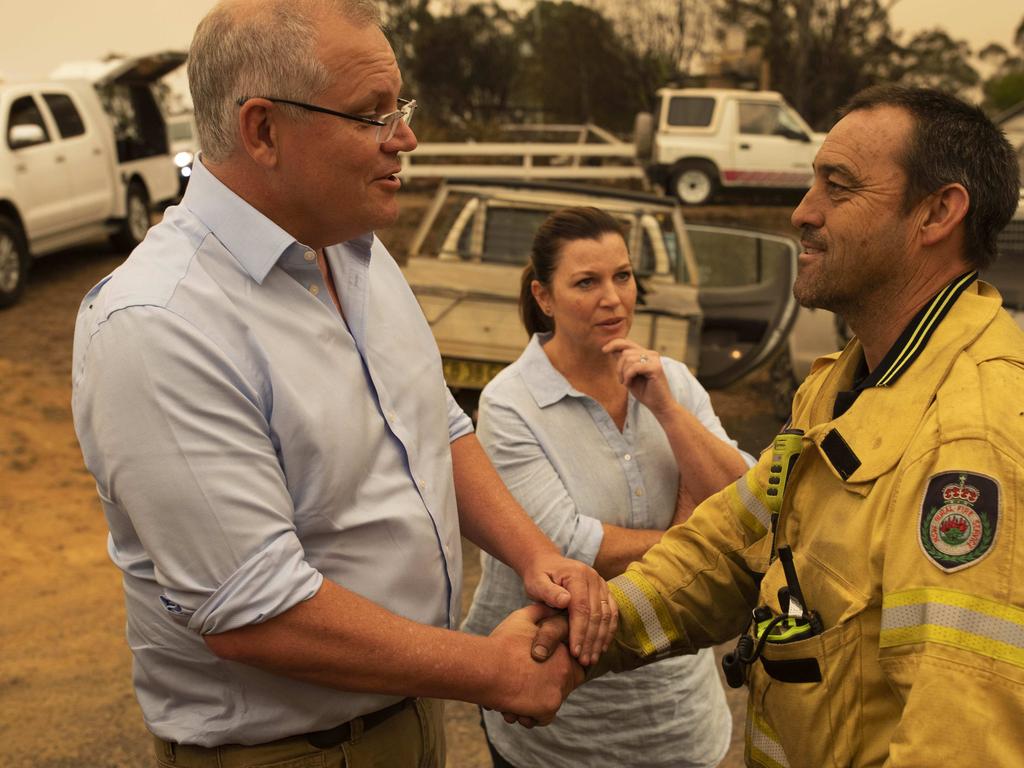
805 700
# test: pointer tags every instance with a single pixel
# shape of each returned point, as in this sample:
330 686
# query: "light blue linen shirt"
566 462
248 442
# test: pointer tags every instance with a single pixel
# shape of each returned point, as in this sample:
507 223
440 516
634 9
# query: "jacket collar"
869 438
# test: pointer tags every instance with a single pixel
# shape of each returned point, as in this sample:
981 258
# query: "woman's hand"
640 370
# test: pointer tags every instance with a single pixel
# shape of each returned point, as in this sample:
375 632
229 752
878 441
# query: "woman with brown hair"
605 444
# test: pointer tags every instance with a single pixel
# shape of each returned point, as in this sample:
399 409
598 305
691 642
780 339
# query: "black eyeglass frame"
403 109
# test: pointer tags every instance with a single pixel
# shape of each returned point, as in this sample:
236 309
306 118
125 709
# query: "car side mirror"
25 135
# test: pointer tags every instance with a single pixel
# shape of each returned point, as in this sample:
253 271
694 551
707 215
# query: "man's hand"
531 692
564 583
552 632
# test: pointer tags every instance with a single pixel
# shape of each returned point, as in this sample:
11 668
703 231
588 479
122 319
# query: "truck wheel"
14 262
643 135
695 183
136 221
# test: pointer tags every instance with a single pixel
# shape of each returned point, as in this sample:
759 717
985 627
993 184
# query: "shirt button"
392 416
639 491
314 289
423 485
310 255
627 457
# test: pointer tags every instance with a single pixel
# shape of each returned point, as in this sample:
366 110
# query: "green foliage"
466 63
577 69
482 65
1005 91
820 52
1005 88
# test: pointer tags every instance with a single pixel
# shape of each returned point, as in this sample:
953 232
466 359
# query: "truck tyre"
643 136
14 261
694 183
136 221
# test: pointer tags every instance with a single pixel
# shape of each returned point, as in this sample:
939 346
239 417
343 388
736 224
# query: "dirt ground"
65 693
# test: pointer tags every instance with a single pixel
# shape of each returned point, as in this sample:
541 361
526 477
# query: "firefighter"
869 559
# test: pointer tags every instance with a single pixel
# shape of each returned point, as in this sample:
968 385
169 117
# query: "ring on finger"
643 358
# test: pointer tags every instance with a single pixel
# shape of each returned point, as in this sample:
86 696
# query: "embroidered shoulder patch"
959 519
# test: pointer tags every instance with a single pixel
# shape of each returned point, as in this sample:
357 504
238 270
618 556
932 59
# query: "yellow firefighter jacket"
902 515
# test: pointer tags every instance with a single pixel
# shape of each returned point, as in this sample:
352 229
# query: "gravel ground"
65 693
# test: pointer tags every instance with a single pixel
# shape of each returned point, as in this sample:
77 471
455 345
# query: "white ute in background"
83 157
702 141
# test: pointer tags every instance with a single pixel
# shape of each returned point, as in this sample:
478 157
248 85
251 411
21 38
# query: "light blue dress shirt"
566 462
248 442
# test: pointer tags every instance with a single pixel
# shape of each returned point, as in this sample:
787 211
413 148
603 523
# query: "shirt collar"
542 379
255 241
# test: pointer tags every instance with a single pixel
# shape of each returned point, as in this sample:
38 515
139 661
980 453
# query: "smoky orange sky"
38 35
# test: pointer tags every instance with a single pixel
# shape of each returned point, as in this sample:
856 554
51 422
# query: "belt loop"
170 751
357 730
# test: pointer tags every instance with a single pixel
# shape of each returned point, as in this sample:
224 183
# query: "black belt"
339 734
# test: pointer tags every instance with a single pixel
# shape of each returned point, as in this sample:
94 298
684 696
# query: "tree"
932 59
821 52
465 64
1005 88
577 68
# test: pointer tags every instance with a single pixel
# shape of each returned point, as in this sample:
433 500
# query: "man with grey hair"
283 470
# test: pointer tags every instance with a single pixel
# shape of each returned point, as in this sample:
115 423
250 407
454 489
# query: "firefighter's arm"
697 586
952 631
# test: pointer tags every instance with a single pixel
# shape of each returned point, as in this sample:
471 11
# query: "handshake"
540 671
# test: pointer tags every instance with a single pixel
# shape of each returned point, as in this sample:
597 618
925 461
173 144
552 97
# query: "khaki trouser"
413 738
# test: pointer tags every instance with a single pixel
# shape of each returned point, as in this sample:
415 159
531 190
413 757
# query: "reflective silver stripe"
764 742
657 640
953 617
753 504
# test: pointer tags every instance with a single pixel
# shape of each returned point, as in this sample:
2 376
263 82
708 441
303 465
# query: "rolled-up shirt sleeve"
689 393
527 471
177 434
459 424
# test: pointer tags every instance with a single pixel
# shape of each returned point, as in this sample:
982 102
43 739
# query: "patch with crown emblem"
959 519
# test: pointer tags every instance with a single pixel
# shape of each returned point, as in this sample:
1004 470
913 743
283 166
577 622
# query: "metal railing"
609 159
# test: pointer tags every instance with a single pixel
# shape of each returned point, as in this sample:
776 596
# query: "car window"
735 258
69 122
25 112
758 119
691 111
508 234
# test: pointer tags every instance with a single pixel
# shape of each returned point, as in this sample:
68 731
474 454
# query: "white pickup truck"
80 160
701 141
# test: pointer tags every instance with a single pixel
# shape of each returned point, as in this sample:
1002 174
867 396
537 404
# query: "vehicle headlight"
183 159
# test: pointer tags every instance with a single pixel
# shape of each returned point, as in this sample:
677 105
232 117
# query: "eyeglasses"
386 124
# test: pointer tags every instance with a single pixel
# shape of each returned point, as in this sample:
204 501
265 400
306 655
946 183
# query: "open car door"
745 281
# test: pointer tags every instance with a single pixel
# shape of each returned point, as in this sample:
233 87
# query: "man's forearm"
341 640
489 515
